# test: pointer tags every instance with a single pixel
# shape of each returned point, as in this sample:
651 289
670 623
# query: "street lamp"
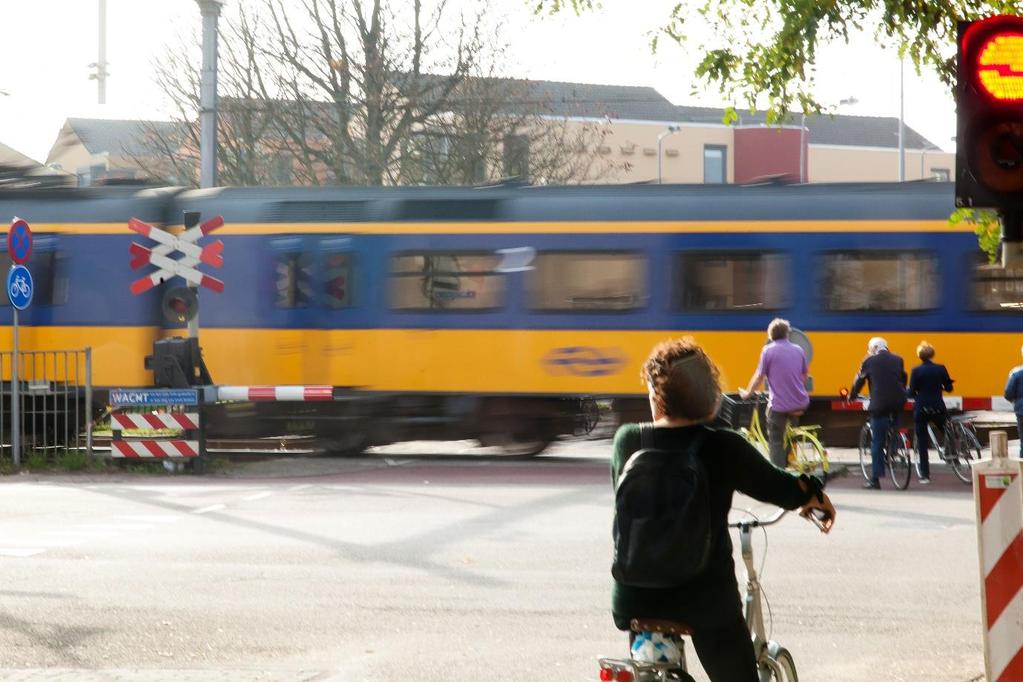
660 138
210 10
902 134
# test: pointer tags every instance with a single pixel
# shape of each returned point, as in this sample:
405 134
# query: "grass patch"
37 461
73 460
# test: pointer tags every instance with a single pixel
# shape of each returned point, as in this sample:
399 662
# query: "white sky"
49 43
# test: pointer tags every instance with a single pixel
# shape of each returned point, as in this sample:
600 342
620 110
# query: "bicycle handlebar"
756 523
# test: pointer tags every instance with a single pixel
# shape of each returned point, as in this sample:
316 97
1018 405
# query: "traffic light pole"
1012 239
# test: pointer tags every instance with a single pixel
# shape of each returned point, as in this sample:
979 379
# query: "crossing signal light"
989 126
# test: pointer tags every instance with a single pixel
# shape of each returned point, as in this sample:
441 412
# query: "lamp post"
902 134
210 10
660 138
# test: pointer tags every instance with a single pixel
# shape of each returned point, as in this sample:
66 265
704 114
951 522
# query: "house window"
880 280
941 174
732 280
714 164
281 171
588 280
446 281
516 156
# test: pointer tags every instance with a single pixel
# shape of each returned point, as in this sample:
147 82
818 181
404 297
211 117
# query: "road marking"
257 496
148 518
20 551
296 488
212 507
113 527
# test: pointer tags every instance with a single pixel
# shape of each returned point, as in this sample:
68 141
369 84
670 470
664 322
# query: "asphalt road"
409 566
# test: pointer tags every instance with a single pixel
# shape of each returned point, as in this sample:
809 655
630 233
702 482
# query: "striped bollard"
998 493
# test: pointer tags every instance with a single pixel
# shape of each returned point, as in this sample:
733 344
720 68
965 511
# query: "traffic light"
989 126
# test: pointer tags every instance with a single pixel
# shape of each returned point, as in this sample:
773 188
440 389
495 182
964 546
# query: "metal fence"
55 400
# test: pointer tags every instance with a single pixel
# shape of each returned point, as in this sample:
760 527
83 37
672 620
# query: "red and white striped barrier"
276 393
155 420
952 402
154 449
998 492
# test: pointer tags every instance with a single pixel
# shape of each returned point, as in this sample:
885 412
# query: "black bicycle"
896 455
957 444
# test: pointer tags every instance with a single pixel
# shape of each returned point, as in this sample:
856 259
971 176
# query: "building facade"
642 138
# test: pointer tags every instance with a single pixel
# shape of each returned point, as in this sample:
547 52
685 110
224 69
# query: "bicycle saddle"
669 627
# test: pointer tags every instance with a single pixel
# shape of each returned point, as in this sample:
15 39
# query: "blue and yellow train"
495 313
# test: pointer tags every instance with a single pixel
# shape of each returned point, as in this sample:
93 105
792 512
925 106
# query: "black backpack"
662 525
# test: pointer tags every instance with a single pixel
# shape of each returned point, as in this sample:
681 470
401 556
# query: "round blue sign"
19 286
19 241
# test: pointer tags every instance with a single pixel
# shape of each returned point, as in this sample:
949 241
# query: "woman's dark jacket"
732 464
926 382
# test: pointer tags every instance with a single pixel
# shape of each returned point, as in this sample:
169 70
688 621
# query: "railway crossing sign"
185 267
19 286
19 241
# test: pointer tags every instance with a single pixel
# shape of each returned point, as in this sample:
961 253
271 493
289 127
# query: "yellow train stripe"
573 362
567 227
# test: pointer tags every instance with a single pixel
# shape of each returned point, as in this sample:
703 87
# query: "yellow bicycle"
806 453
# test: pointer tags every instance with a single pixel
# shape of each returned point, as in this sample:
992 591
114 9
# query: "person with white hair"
885 375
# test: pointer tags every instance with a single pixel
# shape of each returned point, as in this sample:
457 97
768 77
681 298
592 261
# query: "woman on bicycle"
684 394
926 382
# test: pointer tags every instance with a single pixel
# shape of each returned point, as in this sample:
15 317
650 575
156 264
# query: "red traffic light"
999 66
989 129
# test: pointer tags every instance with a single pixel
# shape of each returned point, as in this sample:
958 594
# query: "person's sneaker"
925 481
872 485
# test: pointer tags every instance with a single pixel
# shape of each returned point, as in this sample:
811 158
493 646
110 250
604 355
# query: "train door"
290 345
339 311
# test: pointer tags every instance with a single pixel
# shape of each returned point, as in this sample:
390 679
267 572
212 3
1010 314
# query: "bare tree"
367 92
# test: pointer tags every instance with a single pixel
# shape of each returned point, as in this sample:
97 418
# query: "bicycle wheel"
865 462
898 459
969 448
781 667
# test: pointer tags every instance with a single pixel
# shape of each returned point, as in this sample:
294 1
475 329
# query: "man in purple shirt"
783 364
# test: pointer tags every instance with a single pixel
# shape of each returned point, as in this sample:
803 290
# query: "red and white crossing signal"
989 125
185 267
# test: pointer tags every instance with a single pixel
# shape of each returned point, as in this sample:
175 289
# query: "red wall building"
762 152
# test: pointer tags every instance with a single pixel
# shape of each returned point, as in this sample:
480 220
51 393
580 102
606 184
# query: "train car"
500 313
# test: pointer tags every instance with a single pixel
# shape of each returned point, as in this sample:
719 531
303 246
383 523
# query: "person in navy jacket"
926 382
1014 394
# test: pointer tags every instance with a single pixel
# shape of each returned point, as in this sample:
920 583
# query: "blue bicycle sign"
19 286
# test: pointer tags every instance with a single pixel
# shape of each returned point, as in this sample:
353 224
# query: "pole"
15 400
902 134
101 61
802 148
190 219
208 94
660 138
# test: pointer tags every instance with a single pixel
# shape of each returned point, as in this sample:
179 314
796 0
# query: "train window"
337 272
732 280
880 280
293 276
993 288
446 281
600 281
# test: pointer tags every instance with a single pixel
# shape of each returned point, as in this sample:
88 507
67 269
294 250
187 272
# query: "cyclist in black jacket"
885 374
926 382
684 395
